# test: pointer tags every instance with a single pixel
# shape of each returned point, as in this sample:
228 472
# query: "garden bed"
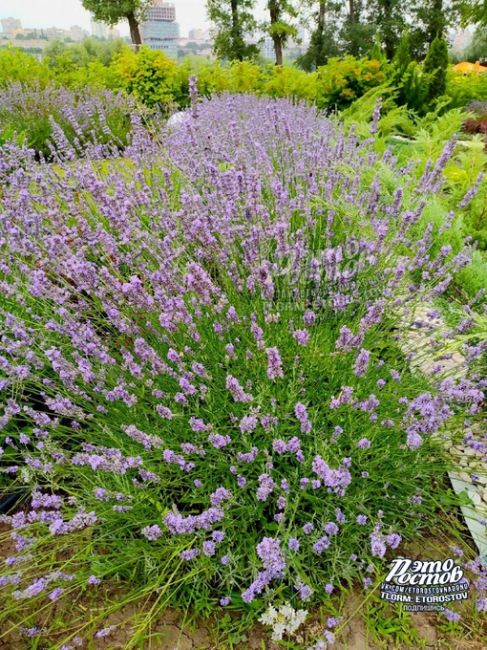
211 329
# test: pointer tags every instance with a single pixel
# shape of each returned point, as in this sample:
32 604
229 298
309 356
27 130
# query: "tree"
436 65
402 57
430 20
434 17
471 11
477 49
351 32
279 27
323 42
357 34
389 18
112 12
233 20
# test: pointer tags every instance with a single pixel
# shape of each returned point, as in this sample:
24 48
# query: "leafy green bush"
150 76
85 64
16 65
465 88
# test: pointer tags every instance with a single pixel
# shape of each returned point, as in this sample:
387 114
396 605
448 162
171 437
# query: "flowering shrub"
202 384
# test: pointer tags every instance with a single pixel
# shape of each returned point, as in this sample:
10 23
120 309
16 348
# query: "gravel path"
425 343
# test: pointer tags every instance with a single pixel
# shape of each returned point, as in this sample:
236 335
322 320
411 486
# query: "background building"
267 49
77 33
10 26
100 30
198 34
160 31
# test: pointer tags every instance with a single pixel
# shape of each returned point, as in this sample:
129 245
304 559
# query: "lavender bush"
201 378
53 120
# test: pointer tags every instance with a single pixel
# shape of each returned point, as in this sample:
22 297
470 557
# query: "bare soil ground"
169 631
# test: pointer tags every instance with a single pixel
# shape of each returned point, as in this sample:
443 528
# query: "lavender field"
206 405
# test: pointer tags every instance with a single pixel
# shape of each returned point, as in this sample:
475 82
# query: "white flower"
286 610
269 616
278 631
285 620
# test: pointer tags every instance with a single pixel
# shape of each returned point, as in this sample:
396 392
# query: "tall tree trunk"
322 16
237 38
278 49
275 15
389 40
320 35
134 30
351 11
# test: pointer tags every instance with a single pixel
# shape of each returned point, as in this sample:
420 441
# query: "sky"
65 13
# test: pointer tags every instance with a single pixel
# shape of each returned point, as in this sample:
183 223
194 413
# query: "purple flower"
219 495
209 548
152 532
30 632
393 540
274 364
362 362
266 487
364 443
377 544
269 551
451 616
330 528
321 545
305 592
56 593
104 632
236 390
248 423
336 479
308 528
481 604
301 414
189 554
218 441
301 337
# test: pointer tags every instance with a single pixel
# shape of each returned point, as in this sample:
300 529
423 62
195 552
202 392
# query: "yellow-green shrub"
342 81
149 75
291 82
464 88
16 65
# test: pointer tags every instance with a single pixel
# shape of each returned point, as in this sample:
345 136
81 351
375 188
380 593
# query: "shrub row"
154 78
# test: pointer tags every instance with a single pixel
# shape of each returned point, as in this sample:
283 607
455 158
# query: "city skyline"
191 14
